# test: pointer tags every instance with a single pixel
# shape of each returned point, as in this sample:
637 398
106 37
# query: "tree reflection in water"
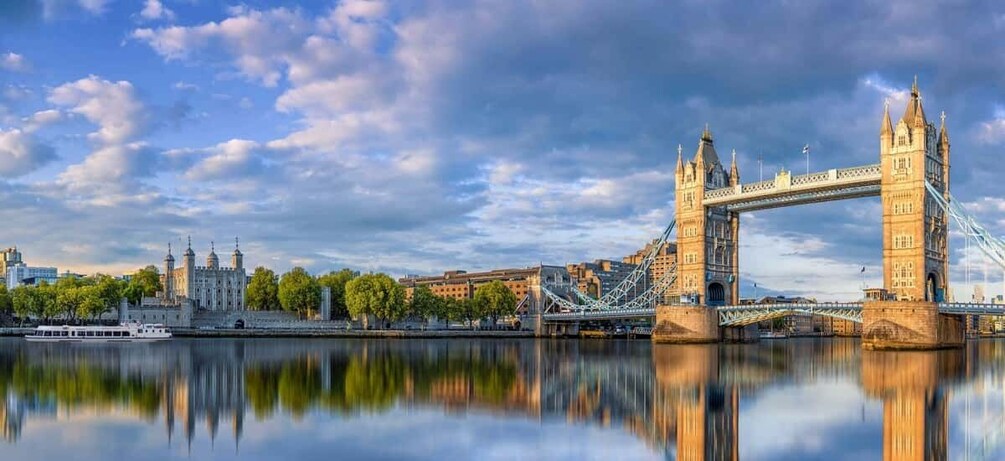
683 401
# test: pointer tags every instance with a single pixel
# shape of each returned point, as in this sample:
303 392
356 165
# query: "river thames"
281 399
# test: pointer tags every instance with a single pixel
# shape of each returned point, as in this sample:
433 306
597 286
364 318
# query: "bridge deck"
787 190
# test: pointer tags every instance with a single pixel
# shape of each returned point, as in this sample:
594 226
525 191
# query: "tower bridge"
912 181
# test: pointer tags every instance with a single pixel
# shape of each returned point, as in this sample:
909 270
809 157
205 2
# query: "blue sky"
422 136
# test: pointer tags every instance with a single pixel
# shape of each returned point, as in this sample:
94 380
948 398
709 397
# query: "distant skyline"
423 136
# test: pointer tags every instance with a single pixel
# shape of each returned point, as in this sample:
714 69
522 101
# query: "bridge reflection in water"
684 401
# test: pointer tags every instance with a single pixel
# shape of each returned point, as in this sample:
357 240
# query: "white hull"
34 339
132 332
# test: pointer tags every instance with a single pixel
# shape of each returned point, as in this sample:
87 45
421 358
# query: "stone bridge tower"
915 251
707 251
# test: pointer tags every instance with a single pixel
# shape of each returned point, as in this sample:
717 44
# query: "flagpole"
806 150
760 169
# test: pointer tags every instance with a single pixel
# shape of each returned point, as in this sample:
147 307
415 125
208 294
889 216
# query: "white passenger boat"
126 332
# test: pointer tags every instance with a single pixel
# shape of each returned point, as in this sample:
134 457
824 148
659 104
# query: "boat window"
65 333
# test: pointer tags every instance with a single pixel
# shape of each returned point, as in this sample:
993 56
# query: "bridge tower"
707 256
915 251
707 250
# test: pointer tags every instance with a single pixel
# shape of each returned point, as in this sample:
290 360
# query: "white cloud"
41 119
185 86
20 153
54 8
113 106
13 62
260 41
992 132
154 9
234 159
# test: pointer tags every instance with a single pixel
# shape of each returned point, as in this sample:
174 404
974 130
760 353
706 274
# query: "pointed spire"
887 127
914 114
680 157
734 171
943 131
706 150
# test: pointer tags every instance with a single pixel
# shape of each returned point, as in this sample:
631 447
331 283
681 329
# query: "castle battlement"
222 269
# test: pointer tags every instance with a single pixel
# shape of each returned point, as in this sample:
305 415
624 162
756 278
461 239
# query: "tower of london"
209 287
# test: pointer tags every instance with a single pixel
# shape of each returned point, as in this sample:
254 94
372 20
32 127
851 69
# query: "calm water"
505 400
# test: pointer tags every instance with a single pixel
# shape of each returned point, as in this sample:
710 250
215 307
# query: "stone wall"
686 324
258 319
909 325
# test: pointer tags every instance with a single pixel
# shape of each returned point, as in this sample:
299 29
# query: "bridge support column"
686 324
909 325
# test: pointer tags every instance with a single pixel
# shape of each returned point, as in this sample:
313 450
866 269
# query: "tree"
495 299
47 306
336 281
109 291
466 309
263 290
299 292
145 282
375 294
68 298
91 304
425 304
23 300
6 303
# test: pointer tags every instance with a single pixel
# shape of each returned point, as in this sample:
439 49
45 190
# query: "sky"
415 137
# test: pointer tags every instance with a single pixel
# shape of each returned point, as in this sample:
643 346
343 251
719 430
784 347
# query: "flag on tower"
806 149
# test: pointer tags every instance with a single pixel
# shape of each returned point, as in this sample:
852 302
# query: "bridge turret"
886 131
734 171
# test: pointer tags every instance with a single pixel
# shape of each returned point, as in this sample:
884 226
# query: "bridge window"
903 241
902 140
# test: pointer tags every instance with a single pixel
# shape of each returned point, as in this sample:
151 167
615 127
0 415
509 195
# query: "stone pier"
686 324
909 325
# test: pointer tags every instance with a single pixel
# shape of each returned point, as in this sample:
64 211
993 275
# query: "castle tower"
237 258
706 238
212 261
915 253
188 260
169 274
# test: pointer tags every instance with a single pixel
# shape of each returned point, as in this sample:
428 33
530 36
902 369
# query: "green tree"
425 304
24 300
299 292
144 282
68 298
109 291
467 310
375 294
91 305
47 307
6 303
263 290
336 281
495 299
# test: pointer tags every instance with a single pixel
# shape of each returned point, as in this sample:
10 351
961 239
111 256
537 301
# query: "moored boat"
126 332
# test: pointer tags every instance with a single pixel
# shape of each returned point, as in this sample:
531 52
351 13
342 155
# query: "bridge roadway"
788 190
746 314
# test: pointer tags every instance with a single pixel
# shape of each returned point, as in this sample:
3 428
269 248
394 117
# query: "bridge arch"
932 284
716 294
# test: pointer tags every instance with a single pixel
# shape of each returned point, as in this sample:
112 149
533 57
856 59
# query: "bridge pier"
686 324
909 325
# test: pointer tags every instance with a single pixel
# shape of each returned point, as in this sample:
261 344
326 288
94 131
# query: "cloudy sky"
422 136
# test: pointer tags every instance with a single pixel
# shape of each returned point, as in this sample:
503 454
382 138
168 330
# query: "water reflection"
676 402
